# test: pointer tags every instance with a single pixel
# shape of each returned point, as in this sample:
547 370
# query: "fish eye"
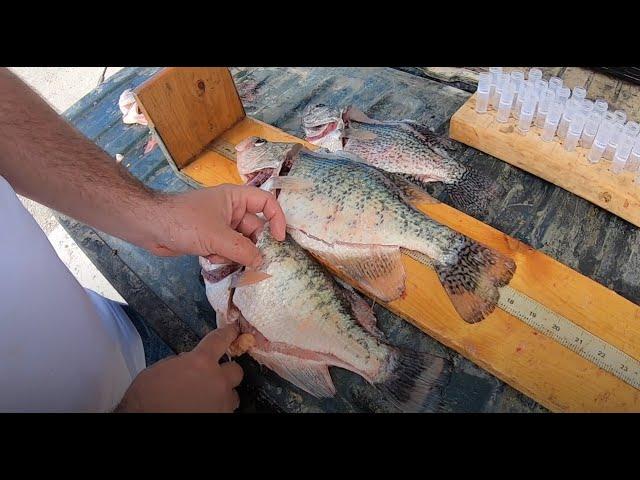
260 141
320 105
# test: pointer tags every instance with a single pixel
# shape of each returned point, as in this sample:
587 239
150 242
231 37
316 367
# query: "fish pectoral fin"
412 192
358 134
287 183
378 269
248 277
357 115
311 375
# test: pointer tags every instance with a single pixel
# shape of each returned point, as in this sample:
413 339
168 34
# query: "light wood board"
551 374
618 194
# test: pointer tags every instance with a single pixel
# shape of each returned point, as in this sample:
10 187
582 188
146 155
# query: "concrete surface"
61 87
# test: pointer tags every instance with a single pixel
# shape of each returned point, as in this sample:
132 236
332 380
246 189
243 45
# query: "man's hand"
217 223
192 382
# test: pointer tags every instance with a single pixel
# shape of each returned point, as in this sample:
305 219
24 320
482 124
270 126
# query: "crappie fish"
404 147
302 321
358 218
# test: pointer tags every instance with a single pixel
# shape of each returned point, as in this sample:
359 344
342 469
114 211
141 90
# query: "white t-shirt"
62 348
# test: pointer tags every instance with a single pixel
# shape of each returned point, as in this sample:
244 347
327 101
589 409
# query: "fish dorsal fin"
358 134
357 115
248 277
287 183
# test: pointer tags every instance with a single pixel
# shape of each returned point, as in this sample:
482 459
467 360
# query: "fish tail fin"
413 380
472 192
473 278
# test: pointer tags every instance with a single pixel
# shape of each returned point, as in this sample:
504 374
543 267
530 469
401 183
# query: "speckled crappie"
404 147
302 321
357 218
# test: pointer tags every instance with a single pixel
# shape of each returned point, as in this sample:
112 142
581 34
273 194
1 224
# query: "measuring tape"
572 336
562 330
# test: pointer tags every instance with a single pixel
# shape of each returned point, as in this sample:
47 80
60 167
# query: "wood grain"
532 363
619 194
189 108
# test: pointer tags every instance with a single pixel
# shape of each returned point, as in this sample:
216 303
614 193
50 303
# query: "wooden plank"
538 366
619 194
189 108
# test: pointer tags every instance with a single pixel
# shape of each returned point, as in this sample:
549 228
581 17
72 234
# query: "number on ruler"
624 368
601 354
556 327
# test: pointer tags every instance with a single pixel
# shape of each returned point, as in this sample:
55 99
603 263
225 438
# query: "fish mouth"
319 131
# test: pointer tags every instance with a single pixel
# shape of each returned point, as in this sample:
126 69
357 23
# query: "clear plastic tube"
574 132
482 93
578 93
633 163
551 121
586 107
590 129
544 102
621 116
555 84
504 105
618 128
495 72
622 153
601 105
563 94
534 74
526 114
522 90
503 82
571 108
632 129
601 141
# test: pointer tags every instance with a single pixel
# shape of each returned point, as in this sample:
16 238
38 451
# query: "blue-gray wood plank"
168 293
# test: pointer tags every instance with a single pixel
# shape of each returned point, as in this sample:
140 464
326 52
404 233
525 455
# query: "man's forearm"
46 159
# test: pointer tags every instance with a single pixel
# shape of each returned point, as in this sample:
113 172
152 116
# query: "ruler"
562 330
570 335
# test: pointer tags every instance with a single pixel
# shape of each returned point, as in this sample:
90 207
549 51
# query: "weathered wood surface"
168 292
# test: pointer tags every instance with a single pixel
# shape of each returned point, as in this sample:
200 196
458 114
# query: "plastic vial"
526 114
622 153
503 82
621 116
534 74
541 86
601 106
482 94
633 163
495 74
571 108
574 132
551 121
522 90
601 141
578 93
632 129
555 84
590 129
586 107
504 106
563 94
618 128
544 102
